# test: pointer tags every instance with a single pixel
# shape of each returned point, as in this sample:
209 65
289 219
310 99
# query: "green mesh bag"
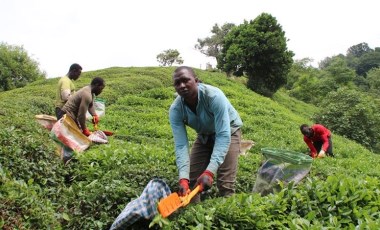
280 165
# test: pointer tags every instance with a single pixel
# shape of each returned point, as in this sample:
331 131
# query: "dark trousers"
318 147
226 174
59 113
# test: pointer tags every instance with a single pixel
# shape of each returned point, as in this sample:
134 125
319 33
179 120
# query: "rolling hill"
39 192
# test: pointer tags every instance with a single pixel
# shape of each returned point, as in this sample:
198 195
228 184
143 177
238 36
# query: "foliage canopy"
17 68
212 46
169 57
258 49
352 114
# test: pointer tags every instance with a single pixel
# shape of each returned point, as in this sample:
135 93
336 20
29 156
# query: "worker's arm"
181 142
325 141
219 107
65 94
83 107
309 143
91 109
67 89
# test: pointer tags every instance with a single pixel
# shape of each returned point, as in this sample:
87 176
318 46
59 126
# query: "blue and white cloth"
143 207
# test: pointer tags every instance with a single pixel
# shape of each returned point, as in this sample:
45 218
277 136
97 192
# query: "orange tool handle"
186 200
169 204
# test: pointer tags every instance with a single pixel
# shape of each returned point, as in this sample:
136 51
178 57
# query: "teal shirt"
215 118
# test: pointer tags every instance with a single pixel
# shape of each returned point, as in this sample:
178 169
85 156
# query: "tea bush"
39 192
340 203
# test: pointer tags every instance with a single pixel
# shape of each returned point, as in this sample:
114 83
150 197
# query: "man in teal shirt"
216 149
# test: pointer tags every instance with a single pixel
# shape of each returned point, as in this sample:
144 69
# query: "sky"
102 34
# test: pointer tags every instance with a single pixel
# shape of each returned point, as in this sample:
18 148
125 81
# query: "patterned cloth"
98 137
143 207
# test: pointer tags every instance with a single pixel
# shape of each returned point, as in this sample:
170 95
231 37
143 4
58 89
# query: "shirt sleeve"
65 89
310 144
324 133
325 145
66 84
180 141
219 106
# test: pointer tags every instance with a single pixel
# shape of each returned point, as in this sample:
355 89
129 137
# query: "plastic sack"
280 165
46 121
100 108
98 137
66 132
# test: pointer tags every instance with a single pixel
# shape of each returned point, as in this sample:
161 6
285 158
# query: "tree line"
345 87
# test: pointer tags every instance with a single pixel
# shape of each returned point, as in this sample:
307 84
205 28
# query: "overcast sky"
101 34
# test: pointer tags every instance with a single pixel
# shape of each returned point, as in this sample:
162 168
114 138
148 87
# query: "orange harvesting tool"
171 203
107 133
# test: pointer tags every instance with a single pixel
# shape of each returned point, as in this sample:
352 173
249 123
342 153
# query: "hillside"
38 191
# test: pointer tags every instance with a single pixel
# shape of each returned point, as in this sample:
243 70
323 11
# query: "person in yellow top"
66 88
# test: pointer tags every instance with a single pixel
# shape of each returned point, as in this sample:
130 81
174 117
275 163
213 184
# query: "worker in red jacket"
318 139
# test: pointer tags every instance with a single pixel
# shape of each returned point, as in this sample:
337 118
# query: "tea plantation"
38 192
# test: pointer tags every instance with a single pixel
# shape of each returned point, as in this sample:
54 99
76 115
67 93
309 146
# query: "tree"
299 68
354 53
304 88
258 49
362 58
358 50
339 71
212 46
169 57
367 62
328 60
334 75
16 67
373 79
302 80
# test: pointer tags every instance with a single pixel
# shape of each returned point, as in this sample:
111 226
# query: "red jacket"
321 133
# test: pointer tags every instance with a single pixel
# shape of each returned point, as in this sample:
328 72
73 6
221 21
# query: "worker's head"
97 85
306 130
74 71
185 82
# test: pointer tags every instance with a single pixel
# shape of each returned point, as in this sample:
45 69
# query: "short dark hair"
75 66
97 81
306 130
303 126
186 68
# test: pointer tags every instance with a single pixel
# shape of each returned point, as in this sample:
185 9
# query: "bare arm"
91 109
83 107
65 94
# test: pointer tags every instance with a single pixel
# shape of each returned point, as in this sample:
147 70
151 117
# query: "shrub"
352 114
